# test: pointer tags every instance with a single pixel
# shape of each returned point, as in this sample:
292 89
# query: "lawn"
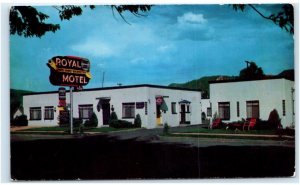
66 129
224 131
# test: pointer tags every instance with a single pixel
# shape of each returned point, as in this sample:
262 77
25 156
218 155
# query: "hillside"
203 85
200 84
16 100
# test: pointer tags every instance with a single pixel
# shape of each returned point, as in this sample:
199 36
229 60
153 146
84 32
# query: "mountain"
16 100
201 83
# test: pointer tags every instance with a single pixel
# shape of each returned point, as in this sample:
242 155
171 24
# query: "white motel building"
231 100
156 105
236 100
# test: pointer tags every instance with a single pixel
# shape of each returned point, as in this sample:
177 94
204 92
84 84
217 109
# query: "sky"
172 44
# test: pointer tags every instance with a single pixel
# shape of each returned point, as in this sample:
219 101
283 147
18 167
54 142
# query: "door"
106 112
182 113
158 115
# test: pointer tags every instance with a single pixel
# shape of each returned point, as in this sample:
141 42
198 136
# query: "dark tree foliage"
284 18
252 72
274 120
28 22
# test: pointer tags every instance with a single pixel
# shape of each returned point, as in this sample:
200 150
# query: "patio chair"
250 124
217 123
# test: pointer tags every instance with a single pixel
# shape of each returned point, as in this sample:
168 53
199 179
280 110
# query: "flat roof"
118 87
240 80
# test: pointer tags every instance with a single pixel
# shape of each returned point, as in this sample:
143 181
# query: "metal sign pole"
71 109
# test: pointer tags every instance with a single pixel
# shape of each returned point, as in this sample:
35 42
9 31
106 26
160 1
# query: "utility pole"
71 109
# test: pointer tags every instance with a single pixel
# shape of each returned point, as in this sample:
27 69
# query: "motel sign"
69 71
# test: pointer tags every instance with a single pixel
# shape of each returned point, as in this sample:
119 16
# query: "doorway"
182 114
158 115
105 111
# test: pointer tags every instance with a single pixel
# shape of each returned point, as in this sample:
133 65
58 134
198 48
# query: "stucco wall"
269 93
41 100
117 97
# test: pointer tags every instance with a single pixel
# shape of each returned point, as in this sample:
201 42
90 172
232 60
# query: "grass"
229 137
224 131
66 129
107 129
48 129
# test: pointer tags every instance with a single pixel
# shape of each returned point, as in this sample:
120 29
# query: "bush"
262 125
137 121
77 122
166 129
20 121
215 116
116 123
113 117
120 124
92 122
274 121
66 123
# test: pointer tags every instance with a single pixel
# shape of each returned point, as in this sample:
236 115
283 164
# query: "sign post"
71 110
69 71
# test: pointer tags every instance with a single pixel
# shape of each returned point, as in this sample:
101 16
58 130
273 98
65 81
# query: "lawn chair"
217 123
250 124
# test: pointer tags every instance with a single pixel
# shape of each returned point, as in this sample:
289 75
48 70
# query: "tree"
284 18
27 21
251 72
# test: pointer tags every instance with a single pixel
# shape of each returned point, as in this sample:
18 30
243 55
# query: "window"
49 113
283 107
293 107
208 111
146 108
238 109
188 108
252 109
85 111
128 110
224 110
35 113
173 107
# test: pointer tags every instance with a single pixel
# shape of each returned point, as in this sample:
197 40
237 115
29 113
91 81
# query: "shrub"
274 121
113 117
20 121
116 123
66 123
92 122
120 124
262 125
215 116
81 128
166 129
77 122
137 121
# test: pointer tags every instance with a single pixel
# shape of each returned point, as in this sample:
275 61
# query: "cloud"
139 60
94 47
166 48
193 26
191 18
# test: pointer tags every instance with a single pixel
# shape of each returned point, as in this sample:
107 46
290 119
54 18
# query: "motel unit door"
184 112
104 105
